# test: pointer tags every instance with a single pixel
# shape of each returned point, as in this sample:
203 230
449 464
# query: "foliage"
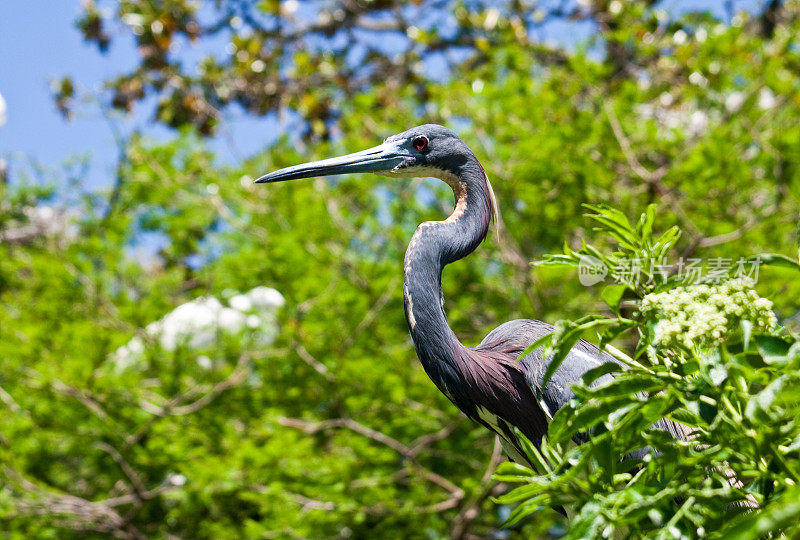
334 429
312 436
727 374
308 57
313 57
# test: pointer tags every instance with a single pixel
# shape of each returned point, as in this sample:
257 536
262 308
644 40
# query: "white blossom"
199 324
704 315
766 99
698 123
241 303
694 122
734 101
175 479
697 79
204 362
265 298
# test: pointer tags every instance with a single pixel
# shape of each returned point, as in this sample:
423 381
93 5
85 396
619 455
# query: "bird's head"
422 151
415 152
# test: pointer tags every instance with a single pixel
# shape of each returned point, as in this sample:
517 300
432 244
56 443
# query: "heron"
489 383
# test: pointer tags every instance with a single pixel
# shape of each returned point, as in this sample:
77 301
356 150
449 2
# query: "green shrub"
707 355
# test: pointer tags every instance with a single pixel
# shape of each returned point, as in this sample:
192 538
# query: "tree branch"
382 438
171 408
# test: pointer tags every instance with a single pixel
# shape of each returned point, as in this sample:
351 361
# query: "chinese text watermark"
689 270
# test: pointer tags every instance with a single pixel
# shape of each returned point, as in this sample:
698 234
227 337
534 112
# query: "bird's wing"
514 337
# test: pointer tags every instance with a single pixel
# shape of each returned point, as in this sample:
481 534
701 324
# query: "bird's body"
490 383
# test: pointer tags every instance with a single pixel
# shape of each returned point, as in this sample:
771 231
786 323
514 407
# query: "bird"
490 383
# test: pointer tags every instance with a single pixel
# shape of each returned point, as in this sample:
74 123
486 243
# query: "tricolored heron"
489 383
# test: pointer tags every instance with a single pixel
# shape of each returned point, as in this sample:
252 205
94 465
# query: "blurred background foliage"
332 429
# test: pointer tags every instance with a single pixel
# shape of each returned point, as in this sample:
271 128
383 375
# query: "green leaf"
612 295
534 455
535 486
761 402
566 335
778 515
567 423
646 221
610 334
772 348
627 384
595 373
525 509
512 468
747 329
560 351
665 242
616 224
544 341
774 259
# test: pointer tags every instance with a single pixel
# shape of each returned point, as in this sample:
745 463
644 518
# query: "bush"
707 355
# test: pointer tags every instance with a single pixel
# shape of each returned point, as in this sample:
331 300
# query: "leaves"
636 267
564 337
772 348
612 296
734 400
775 259
207 432
780 515
699 119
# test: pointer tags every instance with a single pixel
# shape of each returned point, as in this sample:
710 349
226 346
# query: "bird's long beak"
382 158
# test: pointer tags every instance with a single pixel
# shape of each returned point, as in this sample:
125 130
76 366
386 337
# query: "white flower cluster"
197 324
703 315
693 121
52 221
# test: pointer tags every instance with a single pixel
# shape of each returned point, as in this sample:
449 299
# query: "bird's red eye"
420 143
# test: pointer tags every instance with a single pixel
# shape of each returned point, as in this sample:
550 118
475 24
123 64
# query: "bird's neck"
434 245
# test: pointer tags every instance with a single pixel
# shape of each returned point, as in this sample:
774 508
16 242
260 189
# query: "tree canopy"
333 429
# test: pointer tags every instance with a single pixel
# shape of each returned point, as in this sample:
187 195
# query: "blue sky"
39 43
34 49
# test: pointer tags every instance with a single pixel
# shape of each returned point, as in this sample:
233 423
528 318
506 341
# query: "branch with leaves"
709 356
